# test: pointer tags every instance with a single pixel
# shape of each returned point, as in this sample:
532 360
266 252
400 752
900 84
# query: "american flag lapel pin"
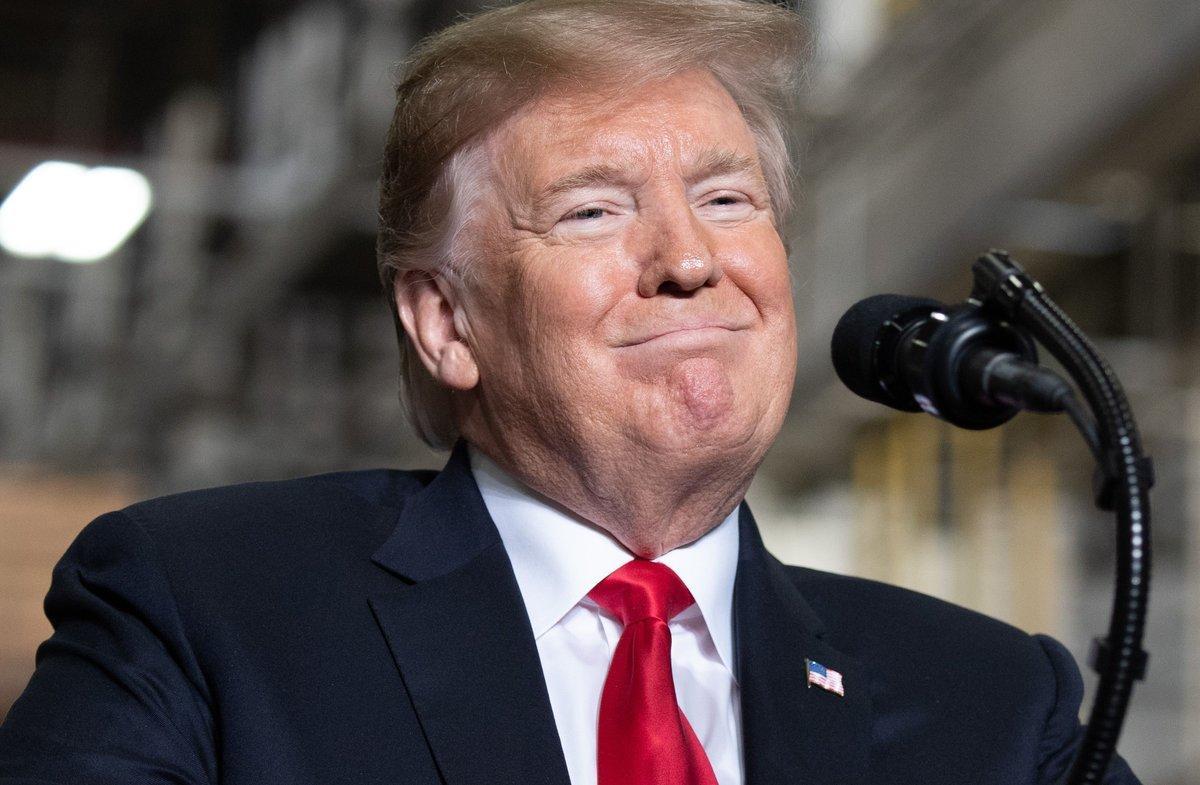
826 678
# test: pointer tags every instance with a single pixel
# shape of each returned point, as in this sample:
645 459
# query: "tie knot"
642 589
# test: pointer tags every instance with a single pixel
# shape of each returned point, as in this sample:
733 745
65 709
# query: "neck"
648 503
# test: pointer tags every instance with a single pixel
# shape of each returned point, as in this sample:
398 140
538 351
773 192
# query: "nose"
677 257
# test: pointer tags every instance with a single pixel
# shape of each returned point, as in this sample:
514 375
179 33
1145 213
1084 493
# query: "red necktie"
644 739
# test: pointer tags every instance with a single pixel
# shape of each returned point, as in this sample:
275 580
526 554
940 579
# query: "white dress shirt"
558 558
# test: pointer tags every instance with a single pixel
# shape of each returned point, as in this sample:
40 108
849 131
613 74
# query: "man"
580 227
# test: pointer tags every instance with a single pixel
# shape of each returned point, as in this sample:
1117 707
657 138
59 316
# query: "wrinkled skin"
626 344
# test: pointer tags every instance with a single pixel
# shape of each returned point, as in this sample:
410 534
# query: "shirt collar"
558 557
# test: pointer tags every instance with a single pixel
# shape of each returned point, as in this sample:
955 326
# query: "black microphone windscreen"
854 341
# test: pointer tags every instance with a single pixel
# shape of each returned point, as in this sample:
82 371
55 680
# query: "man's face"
633 295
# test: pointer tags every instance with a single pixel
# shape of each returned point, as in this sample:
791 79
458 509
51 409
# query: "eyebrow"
715 162
587 177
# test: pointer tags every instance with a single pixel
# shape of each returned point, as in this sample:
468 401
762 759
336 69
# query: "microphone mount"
1122 482
974 365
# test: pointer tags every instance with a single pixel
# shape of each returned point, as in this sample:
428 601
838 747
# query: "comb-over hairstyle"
465 81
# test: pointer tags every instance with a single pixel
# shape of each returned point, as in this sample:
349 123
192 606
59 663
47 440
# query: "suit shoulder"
374 487
925 651
260 543
866 613
267 514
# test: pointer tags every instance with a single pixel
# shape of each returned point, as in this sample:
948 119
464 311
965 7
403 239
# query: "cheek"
563 299
758 265
555 321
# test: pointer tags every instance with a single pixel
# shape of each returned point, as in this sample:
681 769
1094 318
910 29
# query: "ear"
428 308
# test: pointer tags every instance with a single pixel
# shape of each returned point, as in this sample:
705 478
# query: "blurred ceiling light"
67 211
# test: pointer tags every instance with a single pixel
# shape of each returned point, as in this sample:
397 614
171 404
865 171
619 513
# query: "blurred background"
188 293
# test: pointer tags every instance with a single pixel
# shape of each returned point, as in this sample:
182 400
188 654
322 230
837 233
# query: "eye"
589 219
727 205
585 214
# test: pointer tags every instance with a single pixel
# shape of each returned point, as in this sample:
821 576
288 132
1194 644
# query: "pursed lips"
661 331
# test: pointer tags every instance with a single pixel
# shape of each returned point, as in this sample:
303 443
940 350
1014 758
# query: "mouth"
685 335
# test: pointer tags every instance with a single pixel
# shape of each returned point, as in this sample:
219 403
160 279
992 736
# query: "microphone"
960 364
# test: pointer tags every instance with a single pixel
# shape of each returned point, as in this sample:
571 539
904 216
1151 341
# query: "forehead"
674 121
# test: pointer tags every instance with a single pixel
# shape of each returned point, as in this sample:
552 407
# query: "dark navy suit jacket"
367 628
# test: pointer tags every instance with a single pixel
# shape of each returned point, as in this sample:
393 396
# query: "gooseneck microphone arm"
1123 479
975 366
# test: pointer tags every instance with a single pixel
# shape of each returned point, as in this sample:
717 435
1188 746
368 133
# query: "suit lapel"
792 732
460 635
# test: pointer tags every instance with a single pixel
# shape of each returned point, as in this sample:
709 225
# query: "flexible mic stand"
1121 484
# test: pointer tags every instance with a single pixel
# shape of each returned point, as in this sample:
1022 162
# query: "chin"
702 409
728 433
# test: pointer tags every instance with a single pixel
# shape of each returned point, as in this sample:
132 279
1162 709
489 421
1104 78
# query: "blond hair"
466 80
